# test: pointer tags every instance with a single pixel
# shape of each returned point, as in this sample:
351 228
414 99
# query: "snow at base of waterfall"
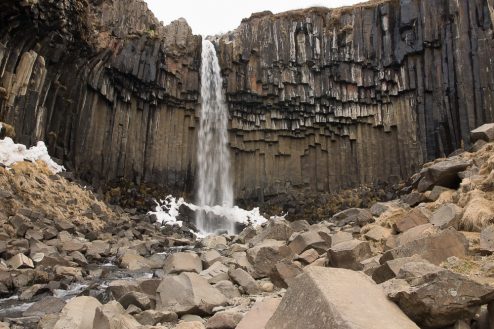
167 211
11 153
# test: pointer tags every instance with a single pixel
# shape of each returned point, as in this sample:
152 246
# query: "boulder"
209 257
349 254
214 241
413 218
132 261
449 215
245 280
307 240
487 239
215 273
337 298
188 293
139 299
307 257
259 315
484 132
443 173
413 199
78 313
152 317
48 305
119 288
113 316
224 320
357 216
265 255
182 262
20 261
190 325
339 237
277 229
284 272
378 233
434 297
391 268
228 289
416 233
435 248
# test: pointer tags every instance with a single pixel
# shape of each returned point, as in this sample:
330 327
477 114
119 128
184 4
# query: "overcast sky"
208 17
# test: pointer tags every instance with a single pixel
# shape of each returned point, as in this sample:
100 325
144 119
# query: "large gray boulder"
78 313
188 293
435 297
443 173
435 248
337 298
484 132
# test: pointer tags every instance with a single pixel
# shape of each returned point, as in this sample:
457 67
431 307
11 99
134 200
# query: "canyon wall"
319 99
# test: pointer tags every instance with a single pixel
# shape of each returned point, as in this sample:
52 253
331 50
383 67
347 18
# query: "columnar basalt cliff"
319 99
112 91
336 98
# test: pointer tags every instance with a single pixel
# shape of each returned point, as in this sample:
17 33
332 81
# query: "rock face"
319 98
336 298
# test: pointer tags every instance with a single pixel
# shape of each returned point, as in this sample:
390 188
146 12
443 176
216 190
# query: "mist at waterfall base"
214 211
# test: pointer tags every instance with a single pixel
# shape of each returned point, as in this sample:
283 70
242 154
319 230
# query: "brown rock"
449 215
20 261
152 317
78 313
265 255
391 268
284 272
245 280
487 239
307 240
277 229
224 320
349 254
413 218
139 299
183 262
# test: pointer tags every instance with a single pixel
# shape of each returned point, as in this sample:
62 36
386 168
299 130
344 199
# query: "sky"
209 17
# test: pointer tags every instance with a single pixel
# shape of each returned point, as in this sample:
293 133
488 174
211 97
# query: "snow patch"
11 153
167 211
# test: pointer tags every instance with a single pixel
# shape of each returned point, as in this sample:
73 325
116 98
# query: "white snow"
11 153
167 210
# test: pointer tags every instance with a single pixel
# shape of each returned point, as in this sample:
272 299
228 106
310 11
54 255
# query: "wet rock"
327 298
188 293
78 313
20 261
449 215
434 297
484 132
357 216
349 254
434 248
48 305
245 280
183 262
224 320
265 255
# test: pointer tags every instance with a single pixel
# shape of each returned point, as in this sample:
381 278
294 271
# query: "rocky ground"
68 260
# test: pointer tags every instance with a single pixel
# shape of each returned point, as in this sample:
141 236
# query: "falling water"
214 182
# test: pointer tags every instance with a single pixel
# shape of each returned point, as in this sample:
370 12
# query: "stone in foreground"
259 314
349 254
337 298
435 297
188 293
78 313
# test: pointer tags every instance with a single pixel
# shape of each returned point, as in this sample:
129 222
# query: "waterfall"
215 187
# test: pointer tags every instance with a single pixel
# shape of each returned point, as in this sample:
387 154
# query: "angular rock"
139 299
378 233
484 132
308 256
182 262
48 305
449 215
413 199
284 272
487 239
308 240
434 297
349 254
337 298
443 173
265 255
209 257
215 273
245 280
113 316
20 261
339 237
119 288
358 216
188 293
134 262
391 268
413 218
228 289
434 248
78 313
277 229
190 325
259 315
152 317
224 320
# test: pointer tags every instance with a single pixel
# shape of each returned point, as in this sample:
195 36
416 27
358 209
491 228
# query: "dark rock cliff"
321 99
336 98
